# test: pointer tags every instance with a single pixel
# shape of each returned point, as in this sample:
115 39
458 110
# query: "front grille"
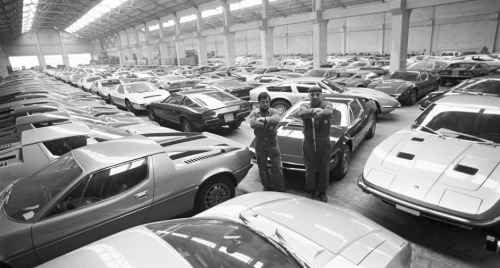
406 156
466 169
417 139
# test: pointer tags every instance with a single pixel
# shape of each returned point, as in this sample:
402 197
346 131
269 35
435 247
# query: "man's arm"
305 112
327 112
255 121
274 117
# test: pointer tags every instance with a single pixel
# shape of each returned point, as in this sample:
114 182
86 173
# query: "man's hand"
315 111
260 119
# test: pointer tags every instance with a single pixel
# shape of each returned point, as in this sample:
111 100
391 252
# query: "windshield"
315 73
29 195
334 86
421 65
221 243
339 117
110 82
139 88
470 124
407 76
230 83
213 99
484 86
259 71
93 78
461 65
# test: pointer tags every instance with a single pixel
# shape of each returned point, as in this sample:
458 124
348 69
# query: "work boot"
322 197
312 194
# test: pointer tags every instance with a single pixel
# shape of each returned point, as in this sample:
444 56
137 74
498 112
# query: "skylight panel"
95 13
29 10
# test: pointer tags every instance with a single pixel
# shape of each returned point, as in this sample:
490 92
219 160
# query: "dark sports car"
233 87
485 85
354 120
407 85
200 109
461 70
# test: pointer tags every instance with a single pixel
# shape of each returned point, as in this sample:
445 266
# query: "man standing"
264 121
317 147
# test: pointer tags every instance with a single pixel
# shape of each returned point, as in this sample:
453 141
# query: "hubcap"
281 109
151 116
345 161
187 127
217 194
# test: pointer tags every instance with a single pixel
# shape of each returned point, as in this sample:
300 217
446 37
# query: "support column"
179 46
492 32
343 33
202 40
228 36
319 34
119 48
41 59
138 46
149 46
400 29
266 36
430 32
162 46
63 50
381 37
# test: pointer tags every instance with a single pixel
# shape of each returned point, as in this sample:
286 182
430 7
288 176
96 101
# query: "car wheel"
152 115
213 192
436 86
443 82
281 106
412 98
235 125
187 126
129 106
340 171
373 127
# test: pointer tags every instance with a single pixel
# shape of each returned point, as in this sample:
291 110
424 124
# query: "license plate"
408 210
228 117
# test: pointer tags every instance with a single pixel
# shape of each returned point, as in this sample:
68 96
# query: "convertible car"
136 96
354 120
262 229
445 165
200 109
100 189
407 85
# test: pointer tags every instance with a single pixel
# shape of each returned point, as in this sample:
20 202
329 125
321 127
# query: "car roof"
472 101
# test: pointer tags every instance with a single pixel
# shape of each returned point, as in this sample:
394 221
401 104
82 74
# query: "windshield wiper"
484 141
280 242
429 129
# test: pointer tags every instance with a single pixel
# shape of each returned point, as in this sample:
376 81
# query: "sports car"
196 110
101 87
353 78
136 96
86 82
285 93
354 120
407 85
484 85
261 229
445 165
462 70
233 87
100 189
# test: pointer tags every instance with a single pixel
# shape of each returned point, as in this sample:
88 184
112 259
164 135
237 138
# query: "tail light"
245 107
209 115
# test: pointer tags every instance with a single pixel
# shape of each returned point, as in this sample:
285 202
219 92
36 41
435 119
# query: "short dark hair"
263 95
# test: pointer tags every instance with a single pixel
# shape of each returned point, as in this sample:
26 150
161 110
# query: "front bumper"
419 210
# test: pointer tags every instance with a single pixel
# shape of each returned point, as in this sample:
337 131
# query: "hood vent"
196 159
417 139
406 156
152 96
466 169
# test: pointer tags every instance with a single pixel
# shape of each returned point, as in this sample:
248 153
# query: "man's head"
315 95
264 101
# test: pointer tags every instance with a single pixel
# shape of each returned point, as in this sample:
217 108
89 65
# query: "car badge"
415 187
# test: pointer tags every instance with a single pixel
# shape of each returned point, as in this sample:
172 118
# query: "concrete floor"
434 244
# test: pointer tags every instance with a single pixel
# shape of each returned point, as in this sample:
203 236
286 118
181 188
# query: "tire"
111 100
151 115
129 107
443 82
436 86
213 192
187 126
412 98
281 106
235 125
373 128
342 167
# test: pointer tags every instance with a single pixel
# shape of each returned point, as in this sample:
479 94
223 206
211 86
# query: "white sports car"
261 229
445 165
136 96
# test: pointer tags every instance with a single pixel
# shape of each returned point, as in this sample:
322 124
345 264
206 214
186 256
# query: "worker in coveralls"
316 146
264 121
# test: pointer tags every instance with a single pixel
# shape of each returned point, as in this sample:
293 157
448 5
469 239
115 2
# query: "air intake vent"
417 139
465 169
406 156
170 139
196 159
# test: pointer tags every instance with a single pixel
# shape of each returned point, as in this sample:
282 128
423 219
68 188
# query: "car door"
169 109
357 122
426 82
119 95
101 204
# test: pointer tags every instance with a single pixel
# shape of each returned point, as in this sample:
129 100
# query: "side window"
103 185
175 100
424 75
60 147
355 110
189 103
120 89
280 88
303 88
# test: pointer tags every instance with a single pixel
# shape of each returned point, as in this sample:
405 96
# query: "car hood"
461 164
323 234
147 97
393 86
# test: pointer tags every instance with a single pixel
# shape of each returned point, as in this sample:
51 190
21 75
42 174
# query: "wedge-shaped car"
288 92
101 87
407 85
100 189
354 119
261 229
462 70
445 165
136 96
200 109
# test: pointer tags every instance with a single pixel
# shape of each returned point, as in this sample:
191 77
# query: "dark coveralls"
266 145
317 159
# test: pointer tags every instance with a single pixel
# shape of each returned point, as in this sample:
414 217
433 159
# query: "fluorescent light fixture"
95 13
29 10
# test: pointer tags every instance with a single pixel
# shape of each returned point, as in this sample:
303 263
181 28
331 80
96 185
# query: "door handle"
141 194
